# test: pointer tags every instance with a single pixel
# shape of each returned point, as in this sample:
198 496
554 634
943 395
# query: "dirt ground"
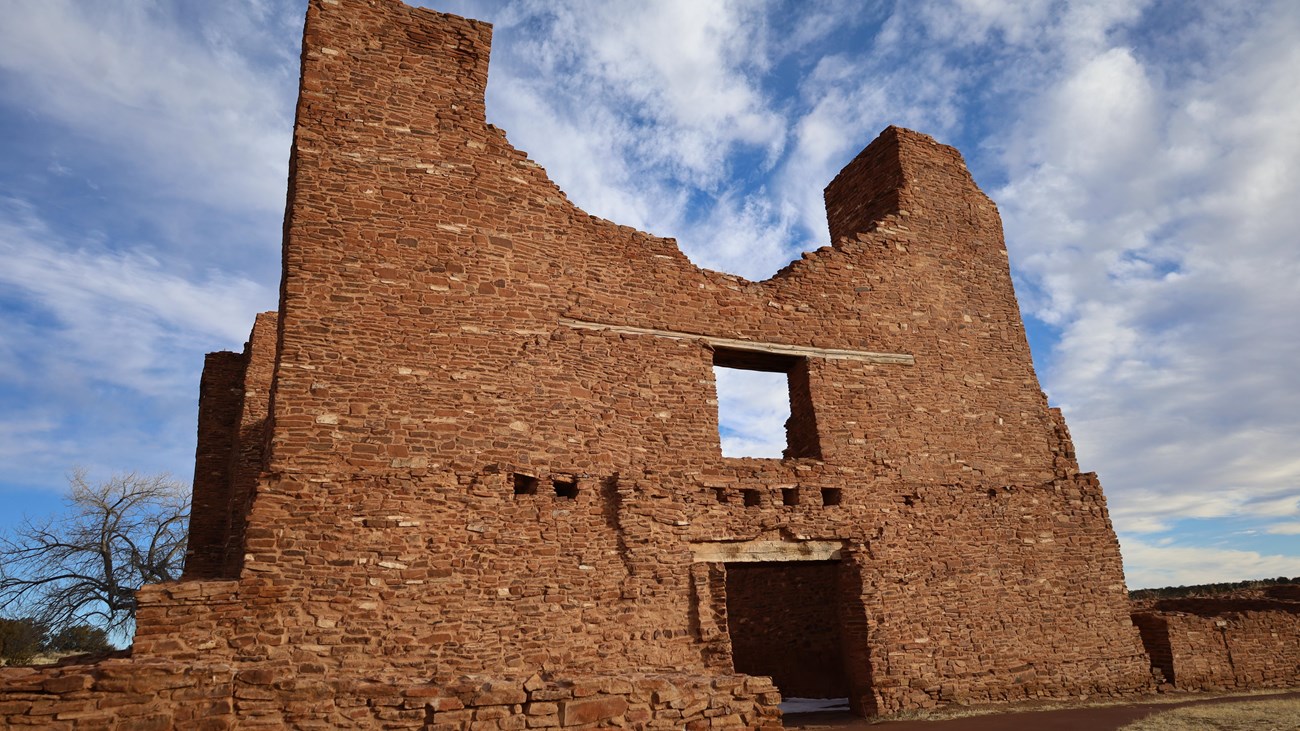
1081 718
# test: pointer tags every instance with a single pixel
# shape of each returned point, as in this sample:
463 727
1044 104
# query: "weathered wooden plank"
754 551
751 345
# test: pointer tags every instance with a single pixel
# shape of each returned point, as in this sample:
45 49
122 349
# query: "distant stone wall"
220 392
230 455
1216 643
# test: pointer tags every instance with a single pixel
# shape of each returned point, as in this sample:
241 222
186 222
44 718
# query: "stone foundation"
140 695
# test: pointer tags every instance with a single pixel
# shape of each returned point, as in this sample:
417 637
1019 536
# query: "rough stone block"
591 710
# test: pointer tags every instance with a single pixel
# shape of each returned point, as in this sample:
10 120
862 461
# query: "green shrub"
79 638
20 640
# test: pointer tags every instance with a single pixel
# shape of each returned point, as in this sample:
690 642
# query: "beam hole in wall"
764 405
565 487
831 496
752 498
789 496
525 484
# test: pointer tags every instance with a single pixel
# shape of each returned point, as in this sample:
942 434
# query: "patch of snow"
813 705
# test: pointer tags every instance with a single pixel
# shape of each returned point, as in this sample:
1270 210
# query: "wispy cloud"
1148 211
640 112
188 110
101 365
138 218
1149 565
116 315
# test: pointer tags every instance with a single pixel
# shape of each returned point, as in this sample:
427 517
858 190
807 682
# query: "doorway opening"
783 620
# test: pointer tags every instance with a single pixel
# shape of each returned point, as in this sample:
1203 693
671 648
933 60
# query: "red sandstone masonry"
477 462
220 392
117 694
233 408
424 360
1243 641
147 695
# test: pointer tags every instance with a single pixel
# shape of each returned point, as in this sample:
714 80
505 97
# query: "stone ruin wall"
451 324
1245 640
469 475
234 396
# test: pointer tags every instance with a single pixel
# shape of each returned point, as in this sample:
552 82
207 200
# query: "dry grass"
1268 715
47 658
947 712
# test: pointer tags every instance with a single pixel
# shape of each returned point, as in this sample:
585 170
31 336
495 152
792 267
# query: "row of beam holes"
831 496
564 488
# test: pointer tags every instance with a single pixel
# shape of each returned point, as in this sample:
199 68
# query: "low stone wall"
117 694
190 621
1233 650
140 695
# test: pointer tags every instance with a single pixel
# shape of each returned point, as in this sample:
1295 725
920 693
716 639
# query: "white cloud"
639 113
1148 565
28 432
117 316
1284 529
668 87
1100 119
1153 224
752 407
1138 522
582 155
971 22
745 236
189 112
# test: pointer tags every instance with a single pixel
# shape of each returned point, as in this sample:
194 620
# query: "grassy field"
1263 715
950 712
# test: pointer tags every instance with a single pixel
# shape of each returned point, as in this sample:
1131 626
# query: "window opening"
525 484
831 496
789 496
764 405
752 498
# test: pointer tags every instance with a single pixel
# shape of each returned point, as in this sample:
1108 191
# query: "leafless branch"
85 565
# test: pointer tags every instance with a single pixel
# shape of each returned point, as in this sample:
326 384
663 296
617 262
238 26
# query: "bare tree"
84 565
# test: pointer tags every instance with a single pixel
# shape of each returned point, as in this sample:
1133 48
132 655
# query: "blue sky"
1145 156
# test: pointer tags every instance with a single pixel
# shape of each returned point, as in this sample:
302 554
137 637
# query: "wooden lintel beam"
755 551
750 345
